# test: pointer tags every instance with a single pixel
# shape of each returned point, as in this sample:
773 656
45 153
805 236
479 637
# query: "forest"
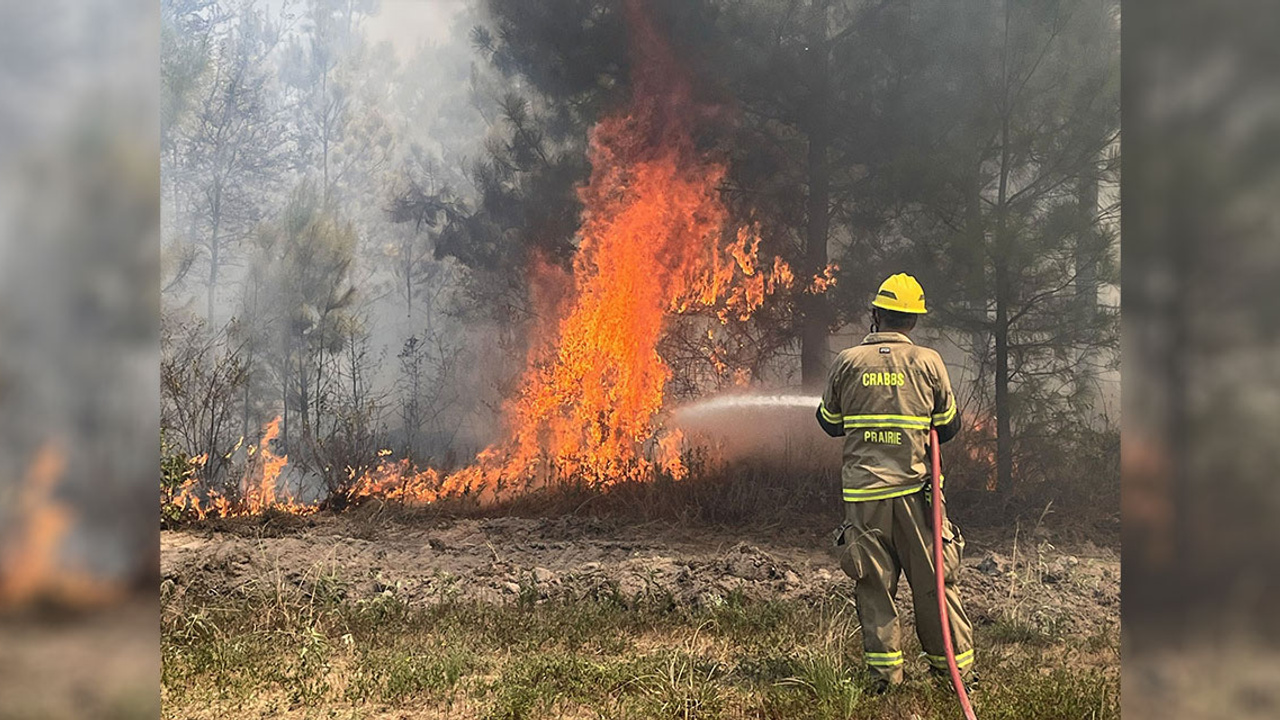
374 249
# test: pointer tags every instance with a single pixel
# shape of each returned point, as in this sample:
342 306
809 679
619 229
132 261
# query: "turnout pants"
881 539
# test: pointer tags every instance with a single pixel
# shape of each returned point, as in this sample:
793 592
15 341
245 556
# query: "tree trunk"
1087 255
284 390
1001 259
244 406
1000 333
974 256
408 283
319 393
324 133
815 317
304 399
1004 438
1087 250
249 369
214 259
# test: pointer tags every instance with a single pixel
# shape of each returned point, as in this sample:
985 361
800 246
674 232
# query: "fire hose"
939 573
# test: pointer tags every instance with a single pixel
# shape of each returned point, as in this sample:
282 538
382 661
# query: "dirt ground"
1068 589
100 664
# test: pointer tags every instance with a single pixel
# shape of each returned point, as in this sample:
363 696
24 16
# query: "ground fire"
259 489
33 562
656 241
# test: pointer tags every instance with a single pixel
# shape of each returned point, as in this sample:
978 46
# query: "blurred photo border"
1201 323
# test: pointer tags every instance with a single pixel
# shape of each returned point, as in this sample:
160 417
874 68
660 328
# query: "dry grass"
301 647
274 650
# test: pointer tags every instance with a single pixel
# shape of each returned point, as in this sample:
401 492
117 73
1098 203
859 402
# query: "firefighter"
883 396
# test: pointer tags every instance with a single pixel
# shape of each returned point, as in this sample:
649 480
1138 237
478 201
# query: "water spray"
738 402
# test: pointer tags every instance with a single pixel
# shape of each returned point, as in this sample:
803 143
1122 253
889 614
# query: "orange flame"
656 241
652 244
980 448
822 283
259 488
31 567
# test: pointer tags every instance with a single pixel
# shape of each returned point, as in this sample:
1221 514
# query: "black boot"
942 678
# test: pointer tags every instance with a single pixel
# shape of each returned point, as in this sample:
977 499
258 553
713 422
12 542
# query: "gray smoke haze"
408 24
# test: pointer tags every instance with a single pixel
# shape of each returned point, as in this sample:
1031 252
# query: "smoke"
409 24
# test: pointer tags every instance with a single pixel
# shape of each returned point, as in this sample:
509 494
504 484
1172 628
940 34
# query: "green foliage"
396 676
202 375
1009 631
175 470
302 283
832 684
685 687
305 675
223 130
306 258
183 59
533 685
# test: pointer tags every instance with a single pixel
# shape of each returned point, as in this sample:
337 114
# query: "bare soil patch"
1028 579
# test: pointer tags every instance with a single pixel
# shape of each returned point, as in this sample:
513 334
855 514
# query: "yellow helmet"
901 293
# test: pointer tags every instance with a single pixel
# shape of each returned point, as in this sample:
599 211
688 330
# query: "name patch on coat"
883 378
883 437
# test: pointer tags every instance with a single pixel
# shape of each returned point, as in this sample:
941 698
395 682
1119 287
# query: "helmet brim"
887 306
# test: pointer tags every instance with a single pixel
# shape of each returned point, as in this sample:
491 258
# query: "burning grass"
274 650
795 488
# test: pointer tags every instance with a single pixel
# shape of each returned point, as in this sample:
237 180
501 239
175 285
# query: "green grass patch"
1011 631
273 652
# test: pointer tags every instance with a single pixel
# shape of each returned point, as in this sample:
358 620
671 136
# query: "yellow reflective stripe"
947 415
902 424
883 493
827 415
963 660
922 421
884 659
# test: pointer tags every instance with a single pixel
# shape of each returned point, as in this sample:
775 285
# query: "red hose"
938 572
